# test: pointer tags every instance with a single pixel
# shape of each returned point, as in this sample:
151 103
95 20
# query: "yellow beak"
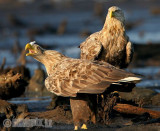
28 47
111 14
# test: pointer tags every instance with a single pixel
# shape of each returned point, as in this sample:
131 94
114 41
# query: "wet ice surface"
148 37
34 104
150 77
147 25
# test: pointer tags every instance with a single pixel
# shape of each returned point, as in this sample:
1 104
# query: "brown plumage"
69 77
111 44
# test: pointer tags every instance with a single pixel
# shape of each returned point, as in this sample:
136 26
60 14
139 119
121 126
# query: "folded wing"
81 76
91 47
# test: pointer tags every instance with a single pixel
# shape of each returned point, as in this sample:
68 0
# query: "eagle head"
115 12
34 49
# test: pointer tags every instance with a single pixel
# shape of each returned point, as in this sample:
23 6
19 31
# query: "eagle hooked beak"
30 48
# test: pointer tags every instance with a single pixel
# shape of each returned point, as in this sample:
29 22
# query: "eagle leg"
83 111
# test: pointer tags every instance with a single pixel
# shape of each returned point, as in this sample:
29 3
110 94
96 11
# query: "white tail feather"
130 79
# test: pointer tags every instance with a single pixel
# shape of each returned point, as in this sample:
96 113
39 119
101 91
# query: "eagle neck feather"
113 29
50 59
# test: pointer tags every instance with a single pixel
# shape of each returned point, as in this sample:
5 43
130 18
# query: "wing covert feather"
91 47
77 79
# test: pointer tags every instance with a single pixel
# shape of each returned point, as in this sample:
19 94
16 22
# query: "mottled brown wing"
82 76
91 48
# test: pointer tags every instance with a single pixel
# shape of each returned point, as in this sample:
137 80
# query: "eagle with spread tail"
111 44
70 77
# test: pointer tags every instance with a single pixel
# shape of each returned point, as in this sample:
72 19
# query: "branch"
129 109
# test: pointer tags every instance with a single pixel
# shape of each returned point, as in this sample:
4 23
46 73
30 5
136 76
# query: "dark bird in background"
111 44
70 77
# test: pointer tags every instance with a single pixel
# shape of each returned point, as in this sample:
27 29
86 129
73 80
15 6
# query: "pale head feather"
114 8
119 15
32 43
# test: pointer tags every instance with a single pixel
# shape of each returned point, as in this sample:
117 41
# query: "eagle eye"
117 11
38 48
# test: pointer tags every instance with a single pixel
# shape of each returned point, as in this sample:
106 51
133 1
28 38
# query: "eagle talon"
115 92
102 96
84 126
75 128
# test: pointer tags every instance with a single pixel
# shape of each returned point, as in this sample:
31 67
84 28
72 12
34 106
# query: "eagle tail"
131 79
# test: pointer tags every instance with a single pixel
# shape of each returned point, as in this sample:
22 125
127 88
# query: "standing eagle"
111 44
70 77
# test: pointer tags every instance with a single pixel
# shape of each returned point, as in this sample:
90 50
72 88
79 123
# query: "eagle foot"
75 128
102 96
84 126
115 93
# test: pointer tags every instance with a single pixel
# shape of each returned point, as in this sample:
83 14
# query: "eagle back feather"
73 76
